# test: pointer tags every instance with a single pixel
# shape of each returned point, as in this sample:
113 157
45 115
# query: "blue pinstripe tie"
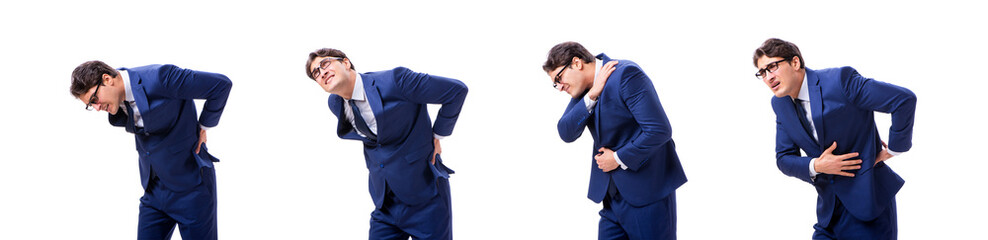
361 125
802 117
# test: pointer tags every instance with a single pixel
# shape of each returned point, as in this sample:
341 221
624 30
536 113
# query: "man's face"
568 79
782 76
107 98
331 73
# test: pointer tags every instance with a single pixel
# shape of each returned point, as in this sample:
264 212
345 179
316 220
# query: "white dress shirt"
591 103
804 96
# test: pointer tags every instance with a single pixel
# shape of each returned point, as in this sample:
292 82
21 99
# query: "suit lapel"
373 95
344 129
816 99
374 99
596 116
792 124
140 97
600 99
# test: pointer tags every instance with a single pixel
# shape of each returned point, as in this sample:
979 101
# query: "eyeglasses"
559 77
317 72
93 99
771 67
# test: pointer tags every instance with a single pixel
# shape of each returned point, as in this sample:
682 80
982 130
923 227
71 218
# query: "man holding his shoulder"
635 169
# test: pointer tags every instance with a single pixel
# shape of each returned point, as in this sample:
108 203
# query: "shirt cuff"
590 103
619 162
894 153
204 127
813 172
437 136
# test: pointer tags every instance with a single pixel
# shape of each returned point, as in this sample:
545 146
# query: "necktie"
802 117
130 118
131 124
361 125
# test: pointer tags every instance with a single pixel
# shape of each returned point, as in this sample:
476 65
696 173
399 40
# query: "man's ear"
107 79
577 63
797 61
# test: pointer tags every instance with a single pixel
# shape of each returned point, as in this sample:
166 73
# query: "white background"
67 174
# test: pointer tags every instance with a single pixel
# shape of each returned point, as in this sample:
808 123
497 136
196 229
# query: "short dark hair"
324 52
89 74
774 47
562 54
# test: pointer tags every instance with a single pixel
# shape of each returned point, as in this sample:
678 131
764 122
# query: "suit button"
831 181
148 154
382 165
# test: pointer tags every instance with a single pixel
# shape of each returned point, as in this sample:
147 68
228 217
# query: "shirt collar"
804 93
596 70
128 92
358 89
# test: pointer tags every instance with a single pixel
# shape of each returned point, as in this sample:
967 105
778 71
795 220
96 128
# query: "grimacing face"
785 80
570 80
333 77
108 98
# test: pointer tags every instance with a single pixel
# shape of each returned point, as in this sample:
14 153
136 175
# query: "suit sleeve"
189 84
427 89
643 102
573 121
787 156
883 97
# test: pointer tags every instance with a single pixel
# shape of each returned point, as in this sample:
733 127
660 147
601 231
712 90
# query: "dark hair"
89 74
774 47
324 52
562 54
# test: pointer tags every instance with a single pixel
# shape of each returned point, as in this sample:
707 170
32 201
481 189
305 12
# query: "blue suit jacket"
399 159
843 106
166 144
628 119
